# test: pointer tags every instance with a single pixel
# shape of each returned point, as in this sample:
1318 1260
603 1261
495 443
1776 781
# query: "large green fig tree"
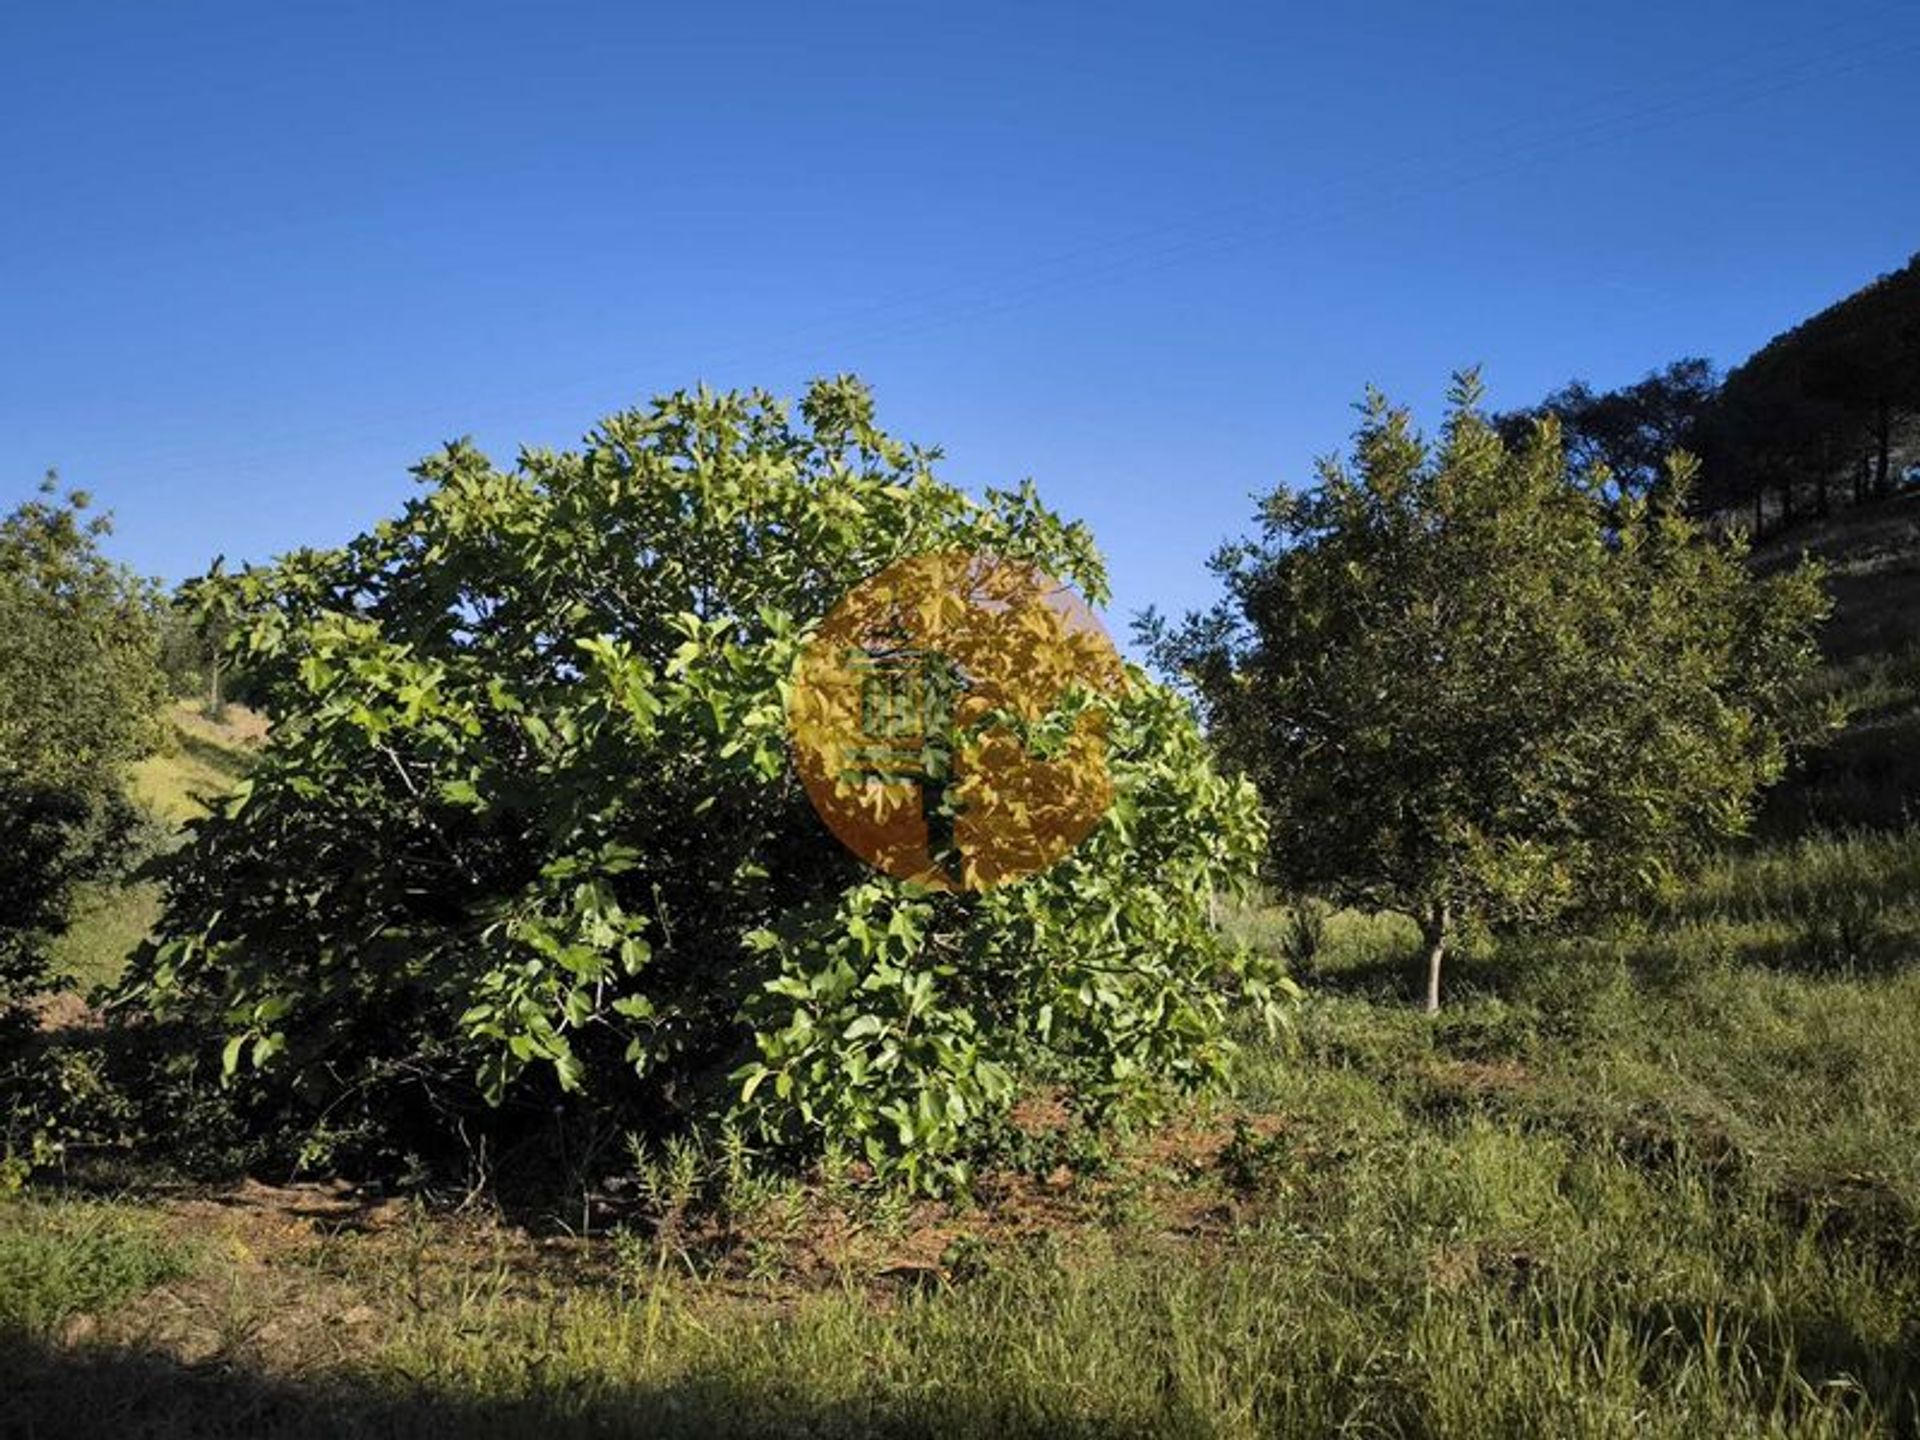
527 830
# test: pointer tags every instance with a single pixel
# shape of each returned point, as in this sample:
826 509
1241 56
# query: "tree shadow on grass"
1832 951
52 1392
1867 778
222 759
1390 978
1829 1357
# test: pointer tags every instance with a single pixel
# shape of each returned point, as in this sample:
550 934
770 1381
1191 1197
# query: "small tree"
1471 689
80 694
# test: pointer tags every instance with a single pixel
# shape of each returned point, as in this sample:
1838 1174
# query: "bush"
527 829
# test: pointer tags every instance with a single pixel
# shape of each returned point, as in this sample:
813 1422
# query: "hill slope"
1870 774
203 760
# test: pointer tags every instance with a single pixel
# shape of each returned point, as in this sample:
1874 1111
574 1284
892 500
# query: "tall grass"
1464 1280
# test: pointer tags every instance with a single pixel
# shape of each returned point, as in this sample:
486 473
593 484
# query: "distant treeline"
1826 414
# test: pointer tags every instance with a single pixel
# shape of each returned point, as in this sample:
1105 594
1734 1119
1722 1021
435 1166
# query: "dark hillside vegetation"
1822 417
1825 412
1869 775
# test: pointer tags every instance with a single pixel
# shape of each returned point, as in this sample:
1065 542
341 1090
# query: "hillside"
204 758
1825 412
1870 774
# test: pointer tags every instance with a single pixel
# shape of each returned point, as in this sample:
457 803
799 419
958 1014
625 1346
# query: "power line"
1383 187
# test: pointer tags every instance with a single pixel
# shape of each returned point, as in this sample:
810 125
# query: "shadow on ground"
54 1392
1825 1355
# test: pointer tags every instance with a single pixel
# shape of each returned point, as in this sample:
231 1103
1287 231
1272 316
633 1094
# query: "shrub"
527 827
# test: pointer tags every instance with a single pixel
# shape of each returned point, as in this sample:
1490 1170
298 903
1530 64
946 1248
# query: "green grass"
203 761
1657 1183
109 922
58 1261
1485 1284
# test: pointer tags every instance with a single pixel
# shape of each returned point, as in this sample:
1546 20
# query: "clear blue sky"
258 258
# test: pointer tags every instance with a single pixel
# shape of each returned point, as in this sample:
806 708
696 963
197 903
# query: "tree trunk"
1433 931
216 707
1882 447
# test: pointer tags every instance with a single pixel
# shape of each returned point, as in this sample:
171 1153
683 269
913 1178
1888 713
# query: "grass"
1657 1183
203 760
109 921
60 1261
1871 773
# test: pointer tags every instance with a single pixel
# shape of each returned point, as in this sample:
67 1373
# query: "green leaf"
459 792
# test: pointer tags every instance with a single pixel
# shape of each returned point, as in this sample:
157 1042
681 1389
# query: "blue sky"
258 259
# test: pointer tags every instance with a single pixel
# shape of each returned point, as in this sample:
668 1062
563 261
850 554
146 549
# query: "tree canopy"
1630 431
80 692
79 645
